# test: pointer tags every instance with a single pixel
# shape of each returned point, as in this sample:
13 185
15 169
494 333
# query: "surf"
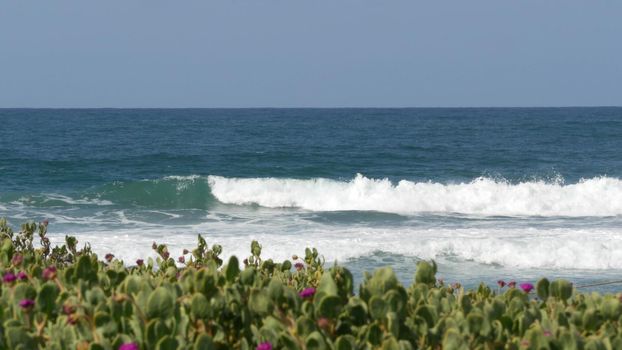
598 196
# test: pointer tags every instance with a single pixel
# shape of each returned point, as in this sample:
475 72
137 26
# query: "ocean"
488 193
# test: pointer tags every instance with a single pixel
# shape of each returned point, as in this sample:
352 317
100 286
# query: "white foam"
599 196
557 248
69 200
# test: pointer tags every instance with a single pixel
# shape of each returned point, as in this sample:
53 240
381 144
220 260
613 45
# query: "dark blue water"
486 192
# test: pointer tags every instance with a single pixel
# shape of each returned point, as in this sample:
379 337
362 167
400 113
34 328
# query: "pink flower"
129 346
264 346
72 319
526 287
9 277
307 292
22 275
323 323
27 303
49 273
299 266
501 283
68 309
17 259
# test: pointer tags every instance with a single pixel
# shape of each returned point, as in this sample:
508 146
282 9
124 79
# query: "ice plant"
526 287
9 277
129 346
264 346
26 303
49 273
307 292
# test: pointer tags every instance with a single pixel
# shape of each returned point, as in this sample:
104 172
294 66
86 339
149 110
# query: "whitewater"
525 225
600 196
513 193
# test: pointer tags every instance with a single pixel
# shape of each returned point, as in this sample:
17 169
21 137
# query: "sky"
310 53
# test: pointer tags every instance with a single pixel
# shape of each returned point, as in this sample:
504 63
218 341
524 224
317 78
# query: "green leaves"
542 288
561 289
426 273
233 269
46 298
161 303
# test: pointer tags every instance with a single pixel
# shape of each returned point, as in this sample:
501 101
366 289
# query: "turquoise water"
487 193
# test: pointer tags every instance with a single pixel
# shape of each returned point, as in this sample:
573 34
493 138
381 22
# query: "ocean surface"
491 193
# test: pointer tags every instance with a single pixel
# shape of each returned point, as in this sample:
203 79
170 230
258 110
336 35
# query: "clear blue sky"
314 53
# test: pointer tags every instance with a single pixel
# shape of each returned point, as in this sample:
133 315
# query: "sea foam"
599 196
562 248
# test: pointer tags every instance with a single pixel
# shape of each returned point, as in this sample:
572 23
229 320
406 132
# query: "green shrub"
66 298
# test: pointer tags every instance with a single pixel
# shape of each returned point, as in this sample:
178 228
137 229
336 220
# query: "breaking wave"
599 196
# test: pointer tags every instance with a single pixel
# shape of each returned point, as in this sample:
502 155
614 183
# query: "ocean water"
492 193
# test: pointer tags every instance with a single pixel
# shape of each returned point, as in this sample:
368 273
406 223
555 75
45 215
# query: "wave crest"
599 196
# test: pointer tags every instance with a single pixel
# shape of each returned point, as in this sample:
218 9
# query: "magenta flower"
49 273
264 346
22 276
526 287
307 292
501 283
129 346
9 277
27 303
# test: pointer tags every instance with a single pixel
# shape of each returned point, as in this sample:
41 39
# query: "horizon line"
342 107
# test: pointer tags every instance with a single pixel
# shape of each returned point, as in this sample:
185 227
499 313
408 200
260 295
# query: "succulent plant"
67 298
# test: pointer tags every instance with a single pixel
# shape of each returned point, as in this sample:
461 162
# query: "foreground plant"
66 298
